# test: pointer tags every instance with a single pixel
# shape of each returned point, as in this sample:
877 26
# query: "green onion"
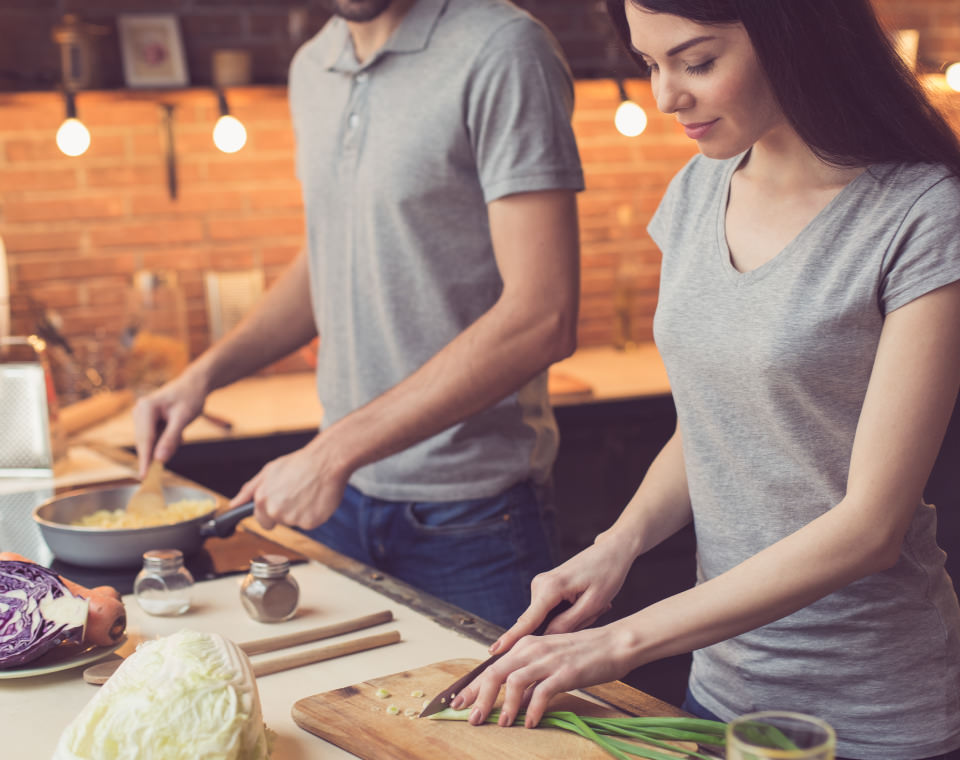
655 732
765 735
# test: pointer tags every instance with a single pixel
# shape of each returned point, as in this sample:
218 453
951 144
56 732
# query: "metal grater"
19 532
25 411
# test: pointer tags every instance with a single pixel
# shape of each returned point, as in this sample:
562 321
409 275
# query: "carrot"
106 615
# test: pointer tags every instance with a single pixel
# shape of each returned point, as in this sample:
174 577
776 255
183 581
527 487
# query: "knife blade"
443 699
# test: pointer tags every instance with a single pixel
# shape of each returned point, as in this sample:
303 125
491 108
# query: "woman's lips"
697 131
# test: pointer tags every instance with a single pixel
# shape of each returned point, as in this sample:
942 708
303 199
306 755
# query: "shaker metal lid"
269 566
163 559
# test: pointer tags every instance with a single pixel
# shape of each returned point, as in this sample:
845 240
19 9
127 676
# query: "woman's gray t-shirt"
769 369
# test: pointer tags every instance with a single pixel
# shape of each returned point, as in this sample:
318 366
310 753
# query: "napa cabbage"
187 696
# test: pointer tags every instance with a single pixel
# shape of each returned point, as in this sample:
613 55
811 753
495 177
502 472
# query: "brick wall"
77 229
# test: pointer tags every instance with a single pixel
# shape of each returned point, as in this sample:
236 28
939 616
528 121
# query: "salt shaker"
269 593
163 586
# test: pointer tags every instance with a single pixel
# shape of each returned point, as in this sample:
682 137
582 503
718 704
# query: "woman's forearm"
827 554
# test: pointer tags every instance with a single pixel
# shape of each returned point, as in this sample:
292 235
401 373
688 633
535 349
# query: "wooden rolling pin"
289 661
99 673
89 411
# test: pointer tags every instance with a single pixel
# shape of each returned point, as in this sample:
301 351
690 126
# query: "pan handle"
224 525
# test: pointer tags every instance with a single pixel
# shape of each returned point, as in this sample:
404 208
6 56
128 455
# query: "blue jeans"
692 706
479 554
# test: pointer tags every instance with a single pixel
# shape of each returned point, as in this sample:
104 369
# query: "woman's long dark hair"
836 74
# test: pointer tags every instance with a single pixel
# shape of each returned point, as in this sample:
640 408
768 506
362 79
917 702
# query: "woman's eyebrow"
681 47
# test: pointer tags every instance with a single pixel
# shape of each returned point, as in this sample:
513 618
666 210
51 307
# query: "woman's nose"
670 97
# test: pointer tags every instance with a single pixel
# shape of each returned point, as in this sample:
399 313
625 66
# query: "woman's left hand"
538 667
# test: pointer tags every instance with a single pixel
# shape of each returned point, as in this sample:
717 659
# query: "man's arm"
532 325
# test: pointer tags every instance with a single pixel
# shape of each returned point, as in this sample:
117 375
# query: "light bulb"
630 119
229 134
953 76
73 138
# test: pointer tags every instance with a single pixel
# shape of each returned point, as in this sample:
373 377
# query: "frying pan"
124 547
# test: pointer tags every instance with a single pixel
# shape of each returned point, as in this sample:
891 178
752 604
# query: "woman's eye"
701 68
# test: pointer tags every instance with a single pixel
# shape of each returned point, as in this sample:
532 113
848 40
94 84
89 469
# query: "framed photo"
152 50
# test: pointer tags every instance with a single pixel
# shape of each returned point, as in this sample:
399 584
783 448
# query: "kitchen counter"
266 405
36 710
617 375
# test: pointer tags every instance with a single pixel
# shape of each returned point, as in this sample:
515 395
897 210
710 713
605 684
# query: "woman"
809 319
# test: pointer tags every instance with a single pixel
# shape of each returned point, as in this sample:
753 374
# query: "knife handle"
562 606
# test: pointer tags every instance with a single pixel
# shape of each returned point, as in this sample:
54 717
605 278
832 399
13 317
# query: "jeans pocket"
463 518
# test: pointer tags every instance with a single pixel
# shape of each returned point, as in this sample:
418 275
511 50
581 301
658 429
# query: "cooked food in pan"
174 512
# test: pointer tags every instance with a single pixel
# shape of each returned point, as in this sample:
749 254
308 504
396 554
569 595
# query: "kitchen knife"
223 525
445 697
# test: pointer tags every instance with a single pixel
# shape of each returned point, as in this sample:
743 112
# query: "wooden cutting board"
355 719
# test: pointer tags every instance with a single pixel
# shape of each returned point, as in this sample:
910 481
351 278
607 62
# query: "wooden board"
355 719
566 388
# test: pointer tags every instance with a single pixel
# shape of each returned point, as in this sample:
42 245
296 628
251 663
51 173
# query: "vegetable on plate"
61 612
37 613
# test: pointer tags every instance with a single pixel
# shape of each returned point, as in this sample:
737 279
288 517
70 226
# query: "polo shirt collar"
411 36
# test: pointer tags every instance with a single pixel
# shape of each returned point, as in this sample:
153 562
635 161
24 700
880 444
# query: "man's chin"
358 10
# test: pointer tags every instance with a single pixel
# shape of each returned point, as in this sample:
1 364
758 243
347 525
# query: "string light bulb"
630 119
229 134
73 137
953 76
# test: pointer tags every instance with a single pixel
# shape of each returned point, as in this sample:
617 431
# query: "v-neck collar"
723 249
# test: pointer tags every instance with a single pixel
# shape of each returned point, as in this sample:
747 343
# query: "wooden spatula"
148 498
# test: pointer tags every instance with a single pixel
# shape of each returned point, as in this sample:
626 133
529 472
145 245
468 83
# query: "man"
440 272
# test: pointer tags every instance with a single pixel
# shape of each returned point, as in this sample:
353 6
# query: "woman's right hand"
160 417
588 580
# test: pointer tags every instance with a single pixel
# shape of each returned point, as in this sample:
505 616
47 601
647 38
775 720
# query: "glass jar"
269 593
163 586
155 336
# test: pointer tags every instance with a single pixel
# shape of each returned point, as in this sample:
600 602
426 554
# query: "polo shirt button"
354 120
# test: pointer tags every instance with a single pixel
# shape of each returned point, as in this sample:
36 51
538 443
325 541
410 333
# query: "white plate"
61 658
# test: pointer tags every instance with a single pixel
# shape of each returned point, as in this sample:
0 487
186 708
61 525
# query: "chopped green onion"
393 710
655 732
382 693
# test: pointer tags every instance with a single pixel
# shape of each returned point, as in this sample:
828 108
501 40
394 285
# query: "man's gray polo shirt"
469 101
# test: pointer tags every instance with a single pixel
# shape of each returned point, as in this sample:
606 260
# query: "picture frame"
151 48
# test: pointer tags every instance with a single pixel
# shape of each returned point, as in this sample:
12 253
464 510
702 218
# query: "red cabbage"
37 612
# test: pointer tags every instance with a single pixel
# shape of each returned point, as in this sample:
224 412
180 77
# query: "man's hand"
176 404
301 489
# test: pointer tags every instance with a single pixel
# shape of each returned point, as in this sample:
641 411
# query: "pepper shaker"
269 593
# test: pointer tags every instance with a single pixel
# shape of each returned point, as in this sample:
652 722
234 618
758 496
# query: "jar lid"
163 559
269 566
